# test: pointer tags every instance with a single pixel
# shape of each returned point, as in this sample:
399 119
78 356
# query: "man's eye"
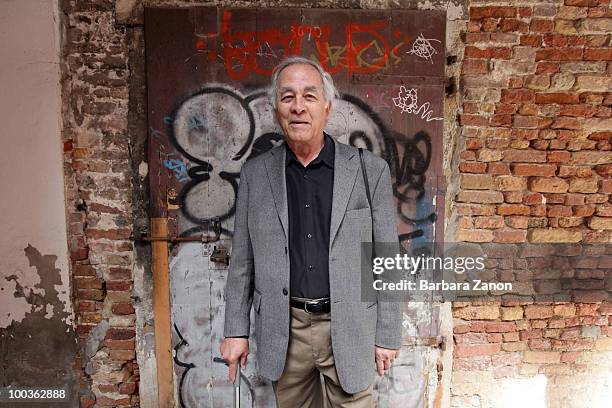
286 98
311 97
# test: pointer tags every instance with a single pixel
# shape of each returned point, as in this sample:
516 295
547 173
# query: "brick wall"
535 161
98 176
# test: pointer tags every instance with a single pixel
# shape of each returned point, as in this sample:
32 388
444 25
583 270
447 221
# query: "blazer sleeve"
239 286
389 317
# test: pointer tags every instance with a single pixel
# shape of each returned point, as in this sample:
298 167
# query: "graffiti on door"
209 112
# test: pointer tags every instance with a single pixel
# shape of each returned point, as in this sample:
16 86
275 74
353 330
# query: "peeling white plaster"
35 213
15 307
49 313
454 11
143 169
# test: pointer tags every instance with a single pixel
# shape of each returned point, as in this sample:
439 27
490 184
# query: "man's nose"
298 105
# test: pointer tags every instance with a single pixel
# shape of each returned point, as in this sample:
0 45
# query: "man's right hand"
234 349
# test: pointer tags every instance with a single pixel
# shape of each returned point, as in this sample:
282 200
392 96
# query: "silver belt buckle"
306 303
306 306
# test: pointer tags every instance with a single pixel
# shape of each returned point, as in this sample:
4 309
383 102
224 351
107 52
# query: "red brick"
116 273
525 155
546 67
473 120
532 40
90 294
517 95
493 52
557 97
509 236
508 25
585 111
533 198
582 3
538 311
475 209
115 333
84 270
464 350
474 66
604 170
513 209
541 26
524 169
85 306
524 11
525 134
88 282
559 211
467 155
472 167
584 211
84 329
121 286
564 122
477 13
600 136
598 54
501 120
606 186
559 54
108 387
120 344
474 235
122 309
559 156
505 108
530 334
498 168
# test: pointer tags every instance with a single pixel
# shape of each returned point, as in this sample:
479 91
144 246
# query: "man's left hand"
384 359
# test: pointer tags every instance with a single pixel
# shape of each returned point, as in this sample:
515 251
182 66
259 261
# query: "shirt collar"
326 155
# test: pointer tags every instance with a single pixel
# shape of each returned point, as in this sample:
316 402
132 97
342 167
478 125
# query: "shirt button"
309 236
310 267
307 205
285 291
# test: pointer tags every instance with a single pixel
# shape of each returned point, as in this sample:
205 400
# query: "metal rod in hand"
237 387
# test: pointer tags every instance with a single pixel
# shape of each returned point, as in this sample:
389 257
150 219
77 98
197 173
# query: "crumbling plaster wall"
37 343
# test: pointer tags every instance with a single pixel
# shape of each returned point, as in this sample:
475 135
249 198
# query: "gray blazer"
258 274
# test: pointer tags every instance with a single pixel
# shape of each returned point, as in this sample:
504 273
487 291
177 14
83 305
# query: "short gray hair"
329 90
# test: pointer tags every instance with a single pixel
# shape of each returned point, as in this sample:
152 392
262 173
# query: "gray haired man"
301 215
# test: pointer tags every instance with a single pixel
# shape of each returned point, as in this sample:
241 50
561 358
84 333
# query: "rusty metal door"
207 70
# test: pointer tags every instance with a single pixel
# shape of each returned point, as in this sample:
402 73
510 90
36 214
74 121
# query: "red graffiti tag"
365 50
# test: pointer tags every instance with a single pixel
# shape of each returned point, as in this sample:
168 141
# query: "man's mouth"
298 122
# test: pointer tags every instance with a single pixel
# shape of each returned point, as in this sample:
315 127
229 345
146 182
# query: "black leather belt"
318 306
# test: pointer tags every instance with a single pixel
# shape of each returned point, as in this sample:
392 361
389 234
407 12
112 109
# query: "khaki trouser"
310 353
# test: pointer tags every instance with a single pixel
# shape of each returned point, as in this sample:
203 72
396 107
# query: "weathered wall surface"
535 162
528 160
99 137
37 344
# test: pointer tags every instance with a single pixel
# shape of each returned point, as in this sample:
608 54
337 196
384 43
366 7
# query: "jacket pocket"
256 300
359 213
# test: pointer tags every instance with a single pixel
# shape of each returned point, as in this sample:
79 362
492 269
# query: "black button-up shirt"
309 201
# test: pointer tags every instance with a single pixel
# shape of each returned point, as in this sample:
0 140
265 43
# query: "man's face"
300 103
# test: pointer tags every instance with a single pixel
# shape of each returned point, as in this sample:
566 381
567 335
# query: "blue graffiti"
197 121
178 167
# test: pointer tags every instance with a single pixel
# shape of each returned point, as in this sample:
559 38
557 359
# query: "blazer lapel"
345 172
275 166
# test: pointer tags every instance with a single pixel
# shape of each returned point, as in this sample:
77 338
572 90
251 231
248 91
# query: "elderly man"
301 214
